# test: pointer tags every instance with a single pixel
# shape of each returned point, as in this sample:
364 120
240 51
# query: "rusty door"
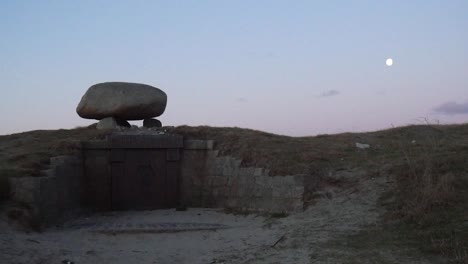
142 173
139 180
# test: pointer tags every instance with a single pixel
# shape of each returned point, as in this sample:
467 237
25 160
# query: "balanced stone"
127 101
112 123
151 122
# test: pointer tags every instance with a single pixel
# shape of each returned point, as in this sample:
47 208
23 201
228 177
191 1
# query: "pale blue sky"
287 67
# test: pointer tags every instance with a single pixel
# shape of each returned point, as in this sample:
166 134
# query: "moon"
389 62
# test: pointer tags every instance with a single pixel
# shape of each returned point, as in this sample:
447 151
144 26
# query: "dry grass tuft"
429 163
430 190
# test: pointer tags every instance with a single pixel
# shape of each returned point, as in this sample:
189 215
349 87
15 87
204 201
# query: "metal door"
142 172
139 180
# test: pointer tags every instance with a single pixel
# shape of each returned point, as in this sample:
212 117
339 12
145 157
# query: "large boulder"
128 101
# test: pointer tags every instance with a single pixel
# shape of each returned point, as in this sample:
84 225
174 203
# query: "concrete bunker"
153 171
146 169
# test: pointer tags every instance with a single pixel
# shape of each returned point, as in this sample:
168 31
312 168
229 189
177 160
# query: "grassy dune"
427 163
428 204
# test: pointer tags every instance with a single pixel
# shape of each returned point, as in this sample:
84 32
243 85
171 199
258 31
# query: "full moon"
389 62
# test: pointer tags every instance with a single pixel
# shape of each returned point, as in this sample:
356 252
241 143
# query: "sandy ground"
211 236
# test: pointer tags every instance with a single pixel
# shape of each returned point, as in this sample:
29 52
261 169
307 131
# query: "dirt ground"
327 232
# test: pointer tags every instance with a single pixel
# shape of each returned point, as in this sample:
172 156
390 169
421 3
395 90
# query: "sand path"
212 236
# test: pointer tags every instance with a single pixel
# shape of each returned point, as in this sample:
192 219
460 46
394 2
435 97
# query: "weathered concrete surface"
52 196
208 180
205 180
195 144
128 101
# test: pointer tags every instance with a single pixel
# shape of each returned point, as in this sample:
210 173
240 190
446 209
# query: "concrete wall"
52 196
208 180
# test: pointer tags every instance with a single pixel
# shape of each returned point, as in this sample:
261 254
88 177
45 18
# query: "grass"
429 201
390 244
431 192
283 155
428 205
26 154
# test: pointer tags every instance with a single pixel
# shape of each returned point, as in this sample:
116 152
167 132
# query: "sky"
294 68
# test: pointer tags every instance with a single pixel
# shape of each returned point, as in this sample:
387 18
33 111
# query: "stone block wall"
209 180
55 194
205 180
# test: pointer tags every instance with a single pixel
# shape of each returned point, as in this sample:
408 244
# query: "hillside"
26 154
426 166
